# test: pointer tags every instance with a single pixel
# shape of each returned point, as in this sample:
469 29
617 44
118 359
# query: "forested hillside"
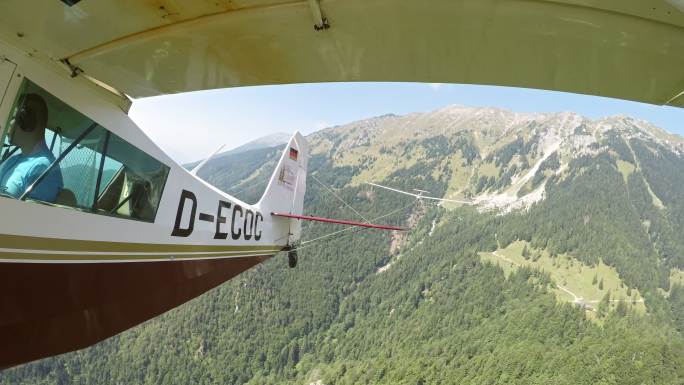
568 268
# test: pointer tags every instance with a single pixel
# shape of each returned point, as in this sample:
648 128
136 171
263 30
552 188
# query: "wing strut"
420 195
202 163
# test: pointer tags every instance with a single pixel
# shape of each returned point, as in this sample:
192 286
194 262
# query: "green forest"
369 307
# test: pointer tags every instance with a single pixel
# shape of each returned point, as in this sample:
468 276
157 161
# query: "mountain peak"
633 127
270 140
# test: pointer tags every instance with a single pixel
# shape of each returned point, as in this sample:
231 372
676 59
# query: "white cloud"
436 86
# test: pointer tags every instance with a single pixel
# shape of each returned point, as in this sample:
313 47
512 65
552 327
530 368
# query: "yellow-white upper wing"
628 49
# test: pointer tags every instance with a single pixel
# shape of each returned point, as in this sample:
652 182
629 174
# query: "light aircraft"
127 233
130 234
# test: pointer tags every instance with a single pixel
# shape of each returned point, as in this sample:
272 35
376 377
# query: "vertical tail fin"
285 190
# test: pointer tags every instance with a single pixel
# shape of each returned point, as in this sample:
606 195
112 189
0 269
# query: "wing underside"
628 49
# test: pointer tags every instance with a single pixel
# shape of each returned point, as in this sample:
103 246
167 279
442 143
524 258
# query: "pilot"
27 131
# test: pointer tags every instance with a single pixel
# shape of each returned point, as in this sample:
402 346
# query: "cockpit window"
53 154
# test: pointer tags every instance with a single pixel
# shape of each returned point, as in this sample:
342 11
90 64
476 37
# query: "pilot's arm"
13 177
13 187
49 187
21 178
27 171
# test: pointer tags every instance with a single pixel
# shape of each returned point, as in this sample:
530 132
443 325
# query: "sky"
190 126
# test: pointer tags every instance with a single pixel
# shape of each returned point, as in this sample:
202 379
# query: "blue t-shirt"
19 171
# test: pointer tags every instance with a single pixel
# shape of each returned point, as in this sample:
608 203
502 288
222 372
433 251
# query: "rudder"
287 186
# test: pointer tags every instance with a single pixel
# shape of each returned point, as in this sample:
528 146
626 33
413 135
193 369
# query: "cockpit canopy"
100 172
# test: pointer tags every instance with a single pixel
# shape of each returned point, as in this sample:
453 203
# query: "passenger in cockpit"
27 131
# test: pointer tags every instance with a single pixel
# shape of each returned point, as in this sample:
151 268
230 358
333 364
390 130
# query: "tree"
621 308
604 305
536 257
601 284
594 280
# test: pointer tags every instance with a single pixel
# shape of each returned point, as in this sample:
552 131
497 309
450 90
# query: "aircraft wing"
628 49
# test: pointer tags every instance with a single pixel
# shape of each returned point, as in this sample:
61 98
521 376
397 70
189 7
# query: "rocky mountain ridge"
489 142
570 271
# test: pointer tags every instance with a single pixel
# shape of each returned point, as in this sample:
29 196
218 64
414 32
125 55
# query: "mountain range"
267 141
567 268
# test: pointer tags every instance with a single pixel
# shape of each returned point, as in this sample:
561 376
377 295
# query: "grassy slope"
677 276
625 168
568 272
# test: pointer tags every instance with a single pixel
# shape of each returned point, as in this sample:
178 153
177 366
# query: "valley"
566 270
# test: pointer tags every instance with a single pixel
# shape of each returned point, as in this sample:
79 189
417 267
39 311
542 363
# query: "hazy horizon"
237 116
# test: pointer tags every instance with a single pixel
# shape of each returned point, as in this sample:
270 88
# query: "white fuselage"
126 233
241 224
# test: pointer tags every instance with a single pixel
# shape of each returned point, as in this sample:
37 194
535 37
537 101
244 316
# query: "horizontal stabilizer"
338 221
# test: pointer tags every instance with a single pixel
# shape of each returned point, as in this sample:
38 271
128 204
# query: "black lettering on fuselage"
177 231
257 218
236 235
249 225
220 219
245 223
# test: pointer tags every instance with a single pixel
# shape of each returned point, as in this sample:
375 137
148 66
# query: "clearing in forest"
576 281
